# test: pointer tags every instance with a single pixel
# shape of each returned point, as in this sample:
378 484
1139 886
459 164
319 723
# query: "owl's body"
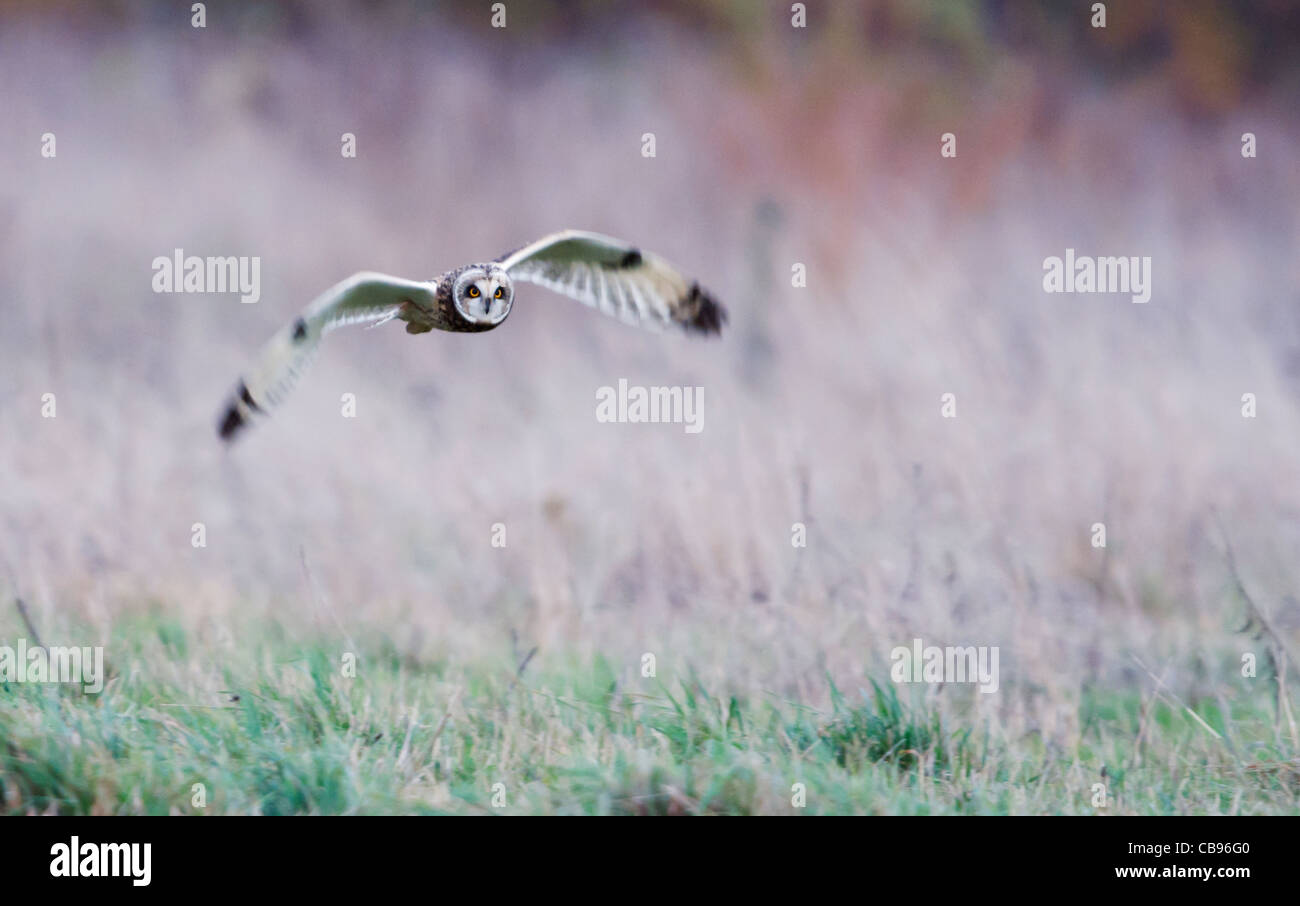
444 314
601 272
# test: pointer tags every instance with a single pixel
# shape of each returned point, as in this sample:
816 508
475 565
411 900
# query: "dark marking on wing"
299 330
631 259
231 422
248 397
701 312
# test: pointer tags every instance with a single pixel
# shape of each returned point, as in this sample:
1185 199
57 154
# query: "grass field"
233 590
277 727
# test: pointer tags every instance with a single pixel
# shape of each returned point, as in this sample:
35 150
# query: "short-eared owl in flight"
604 273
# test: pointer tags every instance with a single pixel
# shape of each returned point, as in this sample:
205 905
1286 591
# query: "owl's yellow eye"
473 292
499 294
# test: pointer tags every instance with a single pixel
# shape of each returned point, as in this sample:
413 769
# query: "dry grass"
821 404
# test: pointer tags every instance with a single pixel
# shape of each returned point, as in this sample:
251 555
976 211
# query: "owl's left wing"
362 298
618 279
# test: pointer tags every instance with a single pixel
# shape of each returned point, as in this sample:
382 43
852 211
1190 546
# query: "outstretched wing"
364 297
618 279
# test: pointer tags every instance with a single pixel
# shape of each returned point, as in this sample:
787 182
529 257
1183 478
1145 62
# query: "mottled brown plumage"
607 274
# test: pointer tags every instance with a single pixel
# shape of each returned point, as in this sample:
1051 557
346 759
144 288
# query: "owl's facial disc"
484 295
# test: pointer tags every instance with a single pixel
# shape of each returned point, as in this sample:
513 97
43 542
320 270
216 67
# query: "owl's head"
483 294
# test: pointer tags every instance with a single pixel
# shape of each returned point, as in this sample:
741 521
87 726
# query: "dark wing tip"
231 423
704 314
234 420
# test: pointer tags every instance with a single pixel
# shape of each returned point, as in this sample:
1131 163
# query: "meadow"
273 726
347 639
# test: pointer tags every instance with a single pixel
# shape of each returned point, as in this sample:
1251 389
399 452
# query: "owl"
604 273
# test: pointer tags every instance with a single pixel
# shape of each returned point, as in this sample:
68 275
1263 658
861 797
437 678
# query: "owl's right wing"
363 297
617 278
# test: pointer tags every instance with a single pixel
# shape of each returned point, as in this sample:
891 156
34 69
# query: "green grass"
274 727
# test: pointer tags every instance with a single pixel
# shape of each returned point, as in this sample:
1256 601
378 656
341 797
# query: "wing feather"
362 298
618 279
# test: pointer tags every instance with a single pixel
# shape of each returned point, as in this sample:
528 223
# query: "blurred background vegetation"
775 146
1214 53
